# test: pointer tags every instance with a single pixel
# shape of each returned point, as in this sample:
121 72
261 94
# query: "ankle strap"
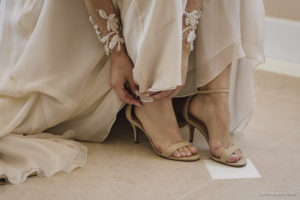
221 90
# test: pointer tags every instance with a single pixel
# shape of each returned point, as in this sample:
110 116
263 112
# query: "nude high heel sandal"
193 123
134 121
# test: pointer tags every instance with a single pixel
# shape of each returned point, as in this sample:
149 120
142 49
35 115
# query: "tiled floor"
118 169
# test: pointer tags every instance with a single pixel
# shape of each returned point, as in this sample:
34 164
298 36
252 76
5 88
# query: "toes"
176 154
182 153
238 153
187 151
193 150
233 158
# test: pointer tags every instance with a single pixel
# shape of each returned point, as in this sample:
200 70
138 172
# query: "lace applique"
191 21
112 25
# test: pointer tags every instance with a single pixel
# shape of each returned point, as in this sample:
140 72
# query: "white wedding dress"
54 74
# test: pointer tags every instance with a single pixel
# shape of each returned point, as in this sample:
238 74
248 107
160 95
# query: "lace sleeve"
107 25
191 17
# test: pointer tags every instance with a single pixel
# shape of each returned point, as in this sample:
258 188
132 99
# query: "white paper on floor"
221 171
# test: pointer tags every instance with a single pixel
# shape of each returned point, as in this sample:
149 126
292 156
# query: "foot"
213 110
159 121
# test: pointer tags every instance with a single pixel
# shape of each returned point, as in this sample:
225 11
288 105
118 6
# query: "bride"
68 67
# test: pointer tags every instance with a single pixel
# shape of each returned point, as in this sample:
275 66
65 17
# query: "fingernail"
138 104
147 95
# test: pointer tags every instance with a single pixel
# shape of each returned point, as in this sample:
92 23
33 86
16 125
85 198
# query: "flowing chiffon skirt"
54 74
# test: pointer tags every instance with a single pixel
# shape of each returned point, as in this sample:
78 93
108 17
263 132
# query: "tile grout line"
182 197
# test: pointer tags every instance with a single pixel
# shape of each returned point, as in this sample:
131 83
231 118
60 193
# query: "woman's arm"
190 20
106 23
108 28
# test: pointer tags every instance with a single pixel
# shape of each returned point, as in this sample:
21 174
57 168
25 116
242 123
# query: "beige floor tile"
272 120
277 84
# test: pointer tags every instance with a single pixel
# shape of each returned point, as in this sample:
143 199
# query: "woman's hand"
121 76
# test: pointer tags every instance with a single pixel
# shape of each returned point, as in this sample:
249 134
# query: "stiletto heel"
192 130
132 123
193 123
135 123
135 135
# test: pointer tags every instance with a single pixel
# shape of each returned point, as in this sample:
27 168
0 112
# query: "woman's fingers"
162 94
152 93
175 92
133 86
170 94
124 95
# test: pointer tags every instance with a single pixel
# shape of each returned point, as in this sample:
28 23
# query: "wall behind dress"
282 41
283 30
286 9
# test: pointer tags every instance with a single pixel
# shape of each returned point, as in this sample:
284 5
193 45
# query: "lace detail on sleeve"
191 21
112 39
106 24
